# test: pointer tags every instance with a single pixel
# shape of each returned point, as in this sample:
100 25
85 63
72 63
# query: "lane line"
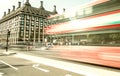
9 65
37 67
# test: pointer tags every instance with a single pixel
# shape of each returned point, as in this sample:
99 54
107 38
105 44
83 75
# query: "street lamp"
8 35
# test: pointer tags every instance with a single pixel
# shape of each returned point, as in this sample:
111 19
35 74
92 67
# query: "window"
27 22
36 18
22 17
41 20
22 28
41 30
27 33
80 12
41 24
22 33
32 28
32 23
22 22
21 25
88 10
37 24
33 18
27 28
28 17
37 28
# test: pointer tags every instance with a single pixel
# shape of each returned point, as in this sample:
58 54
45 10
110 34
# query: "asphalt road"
14 66
38 63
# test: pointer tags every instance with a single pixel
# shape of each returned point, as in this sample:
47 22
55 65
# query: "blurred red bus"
91 34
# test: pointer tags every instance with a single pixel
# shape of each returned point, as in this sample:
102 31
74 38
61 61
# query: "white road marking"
37 67
1 74
9 65
68 75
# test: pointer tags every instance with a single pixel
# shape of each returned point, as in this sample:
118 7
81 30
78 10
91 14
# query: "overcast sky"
48 4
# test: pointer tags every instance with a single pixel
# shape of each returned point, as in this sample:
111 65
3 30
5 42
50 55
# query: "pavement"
4 52
34 52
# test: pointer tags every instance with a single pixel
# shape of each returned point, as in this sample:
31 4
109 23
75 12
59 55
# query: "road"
37 63
14 66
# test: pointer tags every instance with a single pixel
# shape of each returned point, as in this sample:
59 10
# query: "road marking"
1 74
37 67
9 65
68 75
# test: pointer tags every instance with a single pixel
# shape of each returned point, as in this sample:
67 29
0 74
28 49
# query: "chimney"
55 9
27 1
8 11
41 7
63 10
41 3
13 8
4 13
19 4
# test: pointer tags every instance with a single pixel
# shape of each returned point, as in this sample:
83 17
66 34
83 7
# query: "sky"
48 4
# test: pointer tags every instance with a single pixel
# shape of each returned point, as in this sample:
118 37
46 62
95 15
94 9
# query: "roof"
28 9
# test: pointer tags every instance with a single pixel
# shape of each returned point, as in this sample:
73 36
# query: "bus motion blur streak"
89 34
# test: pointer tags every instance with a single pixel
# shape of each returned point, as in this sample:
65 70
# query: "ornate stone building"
25 23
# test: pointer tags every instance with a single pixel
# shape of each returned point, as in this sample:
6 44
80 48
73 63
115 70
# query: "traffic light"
8 33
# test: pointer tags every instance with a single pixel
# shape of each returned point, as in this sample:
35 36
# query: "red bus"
91 34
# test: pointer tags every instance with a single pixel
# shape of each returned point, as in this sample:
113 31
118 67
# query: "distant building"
25 23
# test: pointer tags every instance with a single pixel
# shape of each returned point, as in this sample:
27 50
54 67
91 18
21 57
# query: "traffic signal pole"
8 35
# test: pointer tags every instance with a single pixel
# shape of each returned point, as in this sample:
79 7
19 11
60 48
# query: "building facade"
25 23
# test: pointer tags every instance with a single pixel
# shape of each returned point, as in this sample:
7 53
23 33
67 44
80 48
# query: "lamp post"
8 35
